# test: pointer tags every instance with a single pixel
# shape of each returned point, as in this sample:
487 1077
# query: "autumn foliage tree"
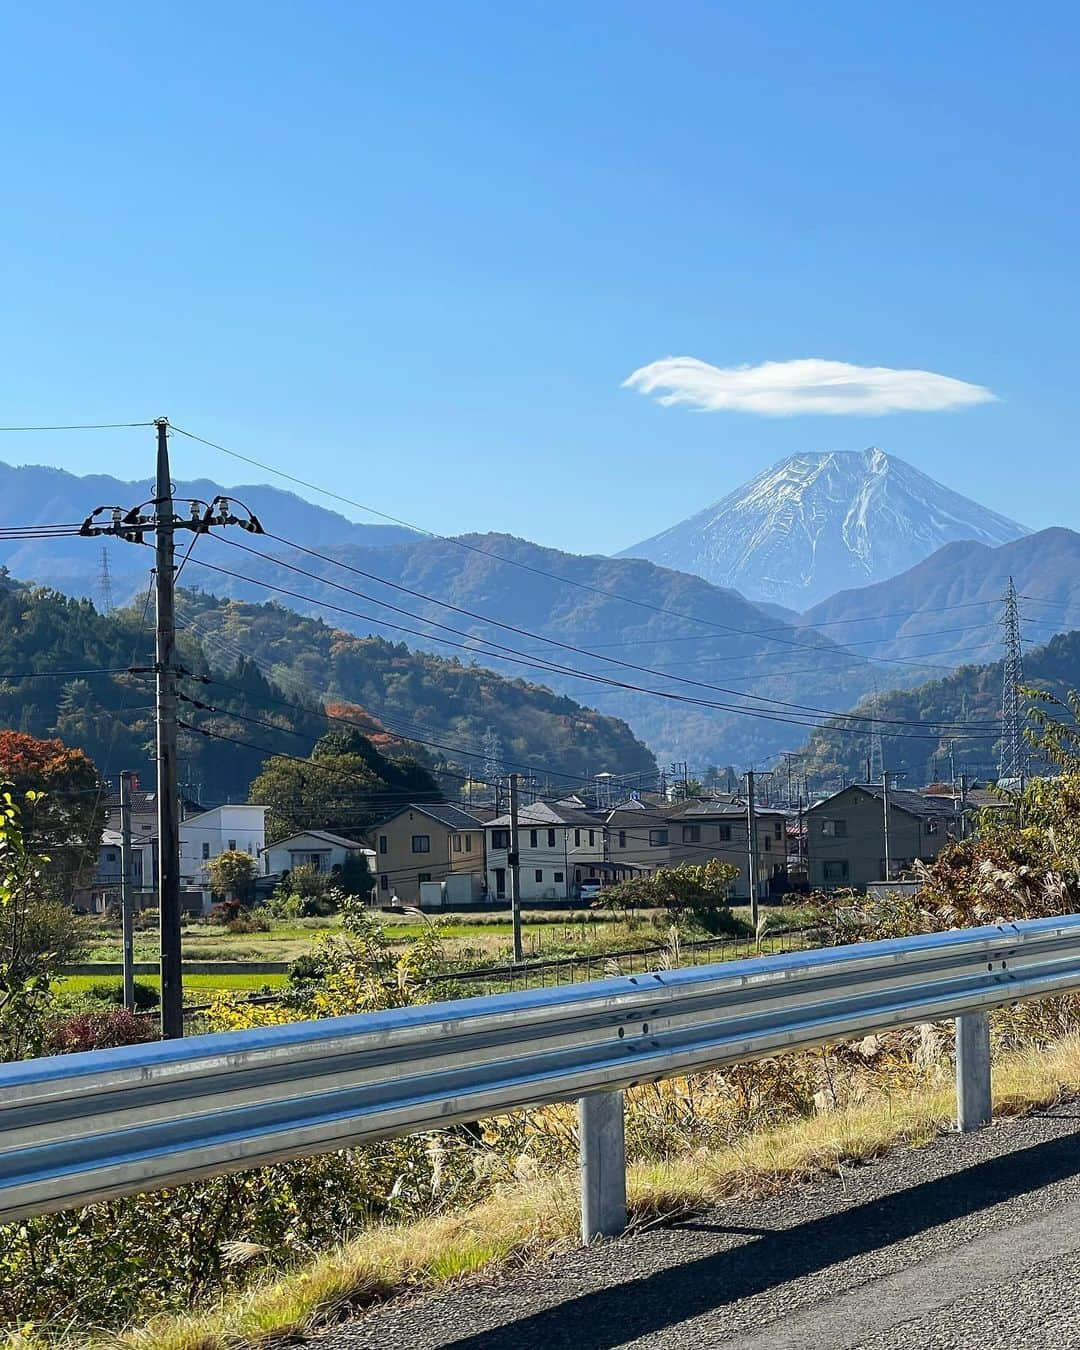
65 819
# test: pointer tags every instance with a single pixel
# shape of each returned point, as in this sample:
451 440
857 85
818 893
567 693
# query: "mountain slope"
947 608
265 661
970 694
816 523
33 494
619 610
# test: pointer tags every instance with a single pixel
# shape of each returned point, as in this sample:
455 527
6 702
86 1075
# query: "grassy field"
198 986
487 935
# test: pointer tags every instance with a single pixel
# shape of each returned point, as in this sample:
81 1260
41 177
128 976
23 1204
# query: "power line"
487 553
771 703
83 426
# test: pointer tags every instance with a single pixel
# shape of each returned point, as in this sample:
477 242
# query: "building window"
559 876
539 874
723 833
779 829
835 829
622 838
577 838
592 838
468 843
206 852
110 856
691 834
232 845
384 844
455 843
421 843
551 838
534 839
931 827
500 838
657 838
835 872
766 844
384 882
423 876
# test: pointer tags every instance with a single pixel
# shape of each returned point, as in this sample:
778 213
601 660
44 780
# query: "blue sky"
413 251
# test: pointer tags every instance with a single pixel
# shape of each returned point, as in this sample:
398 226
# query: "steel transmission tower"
105 583
1012 763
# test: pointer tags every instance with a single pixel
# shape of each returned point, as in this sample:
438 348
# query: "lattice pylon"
1012 763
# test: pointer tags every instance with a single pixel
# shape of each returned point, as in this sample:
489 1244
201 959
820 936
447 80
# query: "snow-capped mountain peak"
821 522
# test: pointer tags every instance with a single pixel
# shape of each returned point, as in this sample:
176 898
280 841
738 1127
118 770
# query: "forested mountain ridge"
699 644
947 608
970 694
111 715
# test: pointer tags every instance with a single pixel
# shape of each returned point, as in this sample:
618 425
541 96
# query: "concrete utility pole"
133 526
168 799
127 914
513 867
885 809
751 857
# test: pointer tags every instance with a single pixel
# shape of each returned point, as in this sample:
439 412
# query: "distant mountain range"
818 523
948 607
710 655
35 494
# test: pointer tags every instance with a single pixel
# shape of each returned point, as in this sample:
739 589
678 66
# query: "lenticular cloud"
788 388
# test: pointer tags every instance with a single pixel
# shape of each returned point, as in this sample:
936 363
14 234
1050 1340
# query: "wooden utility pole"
127 913
513 867
752 861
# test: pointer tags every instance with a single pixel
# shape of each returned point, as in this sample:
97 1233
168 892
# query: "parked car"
590 890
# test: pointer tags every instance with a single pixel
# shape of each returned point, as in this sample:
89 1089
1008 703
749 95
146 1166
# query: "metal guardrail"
85 1127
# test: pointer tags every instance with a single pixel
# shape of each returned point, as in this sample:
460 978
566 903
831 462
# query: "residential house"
222 829
718 827
103 889
144 822
845 834
425 841
561 845
326 853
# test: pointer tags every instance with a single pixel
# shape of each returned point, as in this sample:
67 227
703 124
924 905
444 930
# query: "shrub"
97 1031
112 991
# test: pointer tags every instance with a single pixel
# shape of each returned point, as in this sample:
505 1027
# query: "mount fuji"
818 523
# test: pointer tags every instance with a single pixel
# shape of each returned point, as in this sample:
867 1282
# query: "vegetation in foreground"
248 1253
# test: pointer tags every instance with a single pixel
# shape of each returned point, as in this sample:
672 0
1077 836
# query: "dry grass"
538 1218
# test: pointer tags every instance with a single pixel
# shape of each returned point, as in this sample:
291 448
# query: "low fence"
85 1127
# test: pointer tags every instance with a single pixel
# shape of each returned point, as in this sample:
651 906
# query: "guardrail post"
973 1108
603 1165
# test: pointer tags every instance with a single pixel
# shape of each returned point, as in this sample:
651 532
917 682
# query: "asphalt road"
971 1242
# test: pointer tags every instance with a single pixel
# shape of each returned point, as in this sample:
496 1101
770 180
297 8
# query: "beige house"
845 834
425 842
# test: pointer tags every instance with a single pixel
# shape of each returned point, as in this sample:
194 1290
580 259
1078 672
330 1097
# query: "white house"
560 845
320 849
223 829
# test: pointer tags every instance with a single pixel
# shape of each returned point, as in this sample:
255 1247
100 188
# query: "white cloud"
787 388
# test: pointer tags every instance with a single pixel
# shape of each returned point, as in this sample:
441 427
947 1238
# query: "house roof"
453 817
552 813
326 836
720 808
902 799
143 801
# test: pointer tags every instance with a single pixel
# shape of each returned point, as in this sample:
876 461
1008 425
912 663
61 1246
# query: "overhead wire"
771 704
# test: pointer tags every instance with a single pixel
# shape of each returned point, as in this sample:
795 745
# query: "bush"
112 991
97 1031
236 917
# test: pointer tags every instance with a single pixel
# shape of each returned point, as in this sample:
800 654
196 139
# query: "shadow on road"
636 1308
